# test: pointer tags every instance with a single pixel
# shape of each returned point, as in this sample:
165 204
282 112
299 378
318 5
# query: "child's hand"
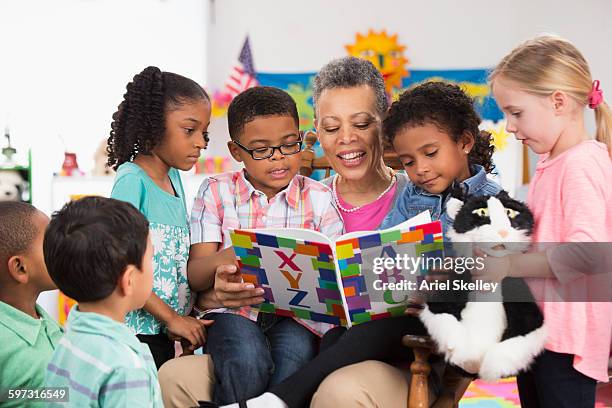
232 292
495 268
189 348
188 328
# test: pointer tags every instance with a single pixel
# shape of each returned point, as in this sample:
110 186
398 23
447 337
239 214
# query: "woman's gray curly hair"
349 72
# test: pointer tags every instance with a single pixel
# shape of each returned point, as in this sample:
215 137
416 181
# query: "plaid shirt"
229 200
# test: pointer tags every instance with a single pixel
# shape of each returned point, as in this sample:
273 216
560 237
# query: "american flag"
243 73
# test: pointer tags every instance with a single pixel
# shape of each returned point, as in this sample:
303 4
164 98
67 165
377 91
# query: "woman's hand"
418 300
414 309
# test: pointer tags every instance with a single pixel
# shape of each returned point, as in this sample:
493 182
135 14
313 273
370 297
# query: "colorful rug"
502 394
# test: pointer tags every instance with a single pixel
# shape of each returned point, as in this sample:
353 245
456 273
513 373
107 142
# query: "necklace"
352 210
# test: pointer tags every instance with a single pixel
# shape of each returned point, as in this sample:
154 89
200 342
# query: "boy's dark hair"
90 242
139 124
17 231
256 102
446 106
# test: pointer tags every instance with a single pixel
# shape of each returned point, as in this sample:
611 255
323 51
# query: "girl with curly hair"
160 128
433 128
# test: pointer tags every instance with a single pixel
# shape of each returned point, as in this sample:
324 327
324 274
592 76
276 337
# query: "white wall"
289 36
65 63
297 36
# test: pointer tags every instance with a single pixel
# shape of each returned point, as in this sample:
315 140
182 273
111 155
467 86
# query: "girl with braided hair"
159 128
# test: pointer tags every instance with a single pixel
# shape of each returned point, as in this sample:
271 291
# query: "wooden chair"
422 346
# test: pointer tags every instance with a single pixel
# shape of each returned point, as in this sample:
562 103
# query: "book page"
379 271
294 233
294 268
302 272
419 219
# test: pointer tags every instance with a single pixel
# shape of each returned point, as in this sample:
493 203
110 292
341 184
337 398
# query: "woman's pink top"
370 216
571 199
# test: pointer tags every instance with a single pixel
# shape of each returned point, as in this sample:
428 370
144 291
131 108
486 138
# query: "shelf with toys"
15 173
65 189
71 183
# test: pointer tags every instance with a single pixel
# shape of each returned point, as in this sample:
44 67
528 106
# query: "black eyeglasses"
262 153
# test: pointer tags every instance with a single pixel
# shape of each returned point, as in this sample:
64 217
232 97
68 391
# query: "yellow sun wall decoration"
499 136
385 53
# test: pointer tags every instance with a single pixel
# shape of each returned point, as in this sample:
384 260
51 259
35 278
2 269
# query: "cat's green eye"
511 213
481 212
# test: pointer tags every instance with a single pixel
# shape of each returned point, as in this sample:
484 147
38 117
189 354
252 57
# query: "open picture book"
307 275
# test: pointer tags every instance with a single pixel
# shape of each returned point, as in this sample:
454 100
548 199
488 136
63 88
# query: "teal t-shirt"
26 346
102 364
169 228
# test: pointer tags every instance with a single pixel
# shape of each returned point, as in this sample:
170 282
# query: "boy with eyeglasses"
252 351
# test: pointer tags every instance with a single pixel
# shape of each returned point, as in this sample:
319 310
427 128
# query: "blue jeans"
553 382
249 357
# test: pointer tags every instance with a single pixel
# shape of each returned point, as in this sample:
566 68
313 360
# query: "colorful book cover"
305 274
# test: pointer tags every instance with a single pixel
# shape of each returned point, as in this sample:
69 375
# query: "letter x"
287 261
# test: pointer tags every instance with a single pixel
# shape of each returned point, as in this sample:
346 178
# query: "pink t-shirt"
571 199
370 216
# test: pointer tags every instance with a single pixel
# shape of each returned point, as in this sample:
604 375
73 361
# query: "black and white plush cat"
487 336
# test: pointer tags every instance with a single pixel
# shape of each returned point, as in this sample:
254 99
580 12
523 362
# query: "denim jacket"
415 200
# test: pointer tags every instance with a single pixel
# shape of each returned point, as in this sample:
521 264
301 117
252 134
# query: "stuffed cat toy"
478 331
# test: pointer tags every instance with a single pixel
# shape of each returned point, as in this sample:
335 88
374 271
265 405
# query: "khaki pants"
186 380
373 384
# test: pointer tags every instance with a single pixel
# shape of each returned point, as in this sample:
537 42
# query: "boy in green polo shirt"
28 335
99 253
